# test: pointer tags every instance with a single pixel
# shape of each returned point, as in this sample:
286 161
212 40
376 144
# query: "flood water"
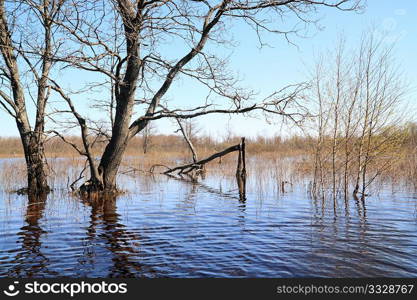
168 228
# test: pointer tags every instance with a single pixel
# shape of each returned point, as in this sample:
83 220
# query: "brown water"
169 228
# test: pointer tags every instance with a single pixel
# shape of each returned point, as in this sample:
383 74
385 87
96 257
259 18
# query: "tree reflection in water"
105 228
30 260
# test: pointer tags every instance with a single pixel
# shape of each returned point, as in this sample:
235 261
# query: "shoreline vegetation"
172 150
55 147
11 146
161 143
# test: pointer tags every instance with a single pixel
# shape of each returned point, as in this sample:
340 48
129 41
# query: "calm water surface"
169 228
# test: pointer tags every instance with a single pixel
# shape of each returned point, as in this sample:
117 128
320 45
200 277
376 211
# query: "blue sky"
267 69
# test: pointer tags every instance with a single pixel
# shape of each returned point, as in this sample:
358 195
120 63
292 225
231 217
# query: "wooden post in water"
241 170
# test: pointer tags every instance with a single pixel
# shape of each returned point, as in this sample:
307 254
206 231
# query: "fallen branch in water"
198 167
185 169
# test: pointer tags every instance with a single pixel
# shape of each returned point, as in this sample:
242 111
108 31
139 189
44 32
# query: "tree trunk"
110 163
125 99
114 151
35 163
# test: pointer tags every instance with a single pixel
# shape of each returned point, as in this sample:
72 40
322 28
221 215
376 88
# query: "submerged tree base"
92 190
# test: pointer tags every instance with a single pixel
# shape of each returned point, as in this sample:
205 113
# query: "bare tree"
126 42
189 131
28 40
358 100
383 92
